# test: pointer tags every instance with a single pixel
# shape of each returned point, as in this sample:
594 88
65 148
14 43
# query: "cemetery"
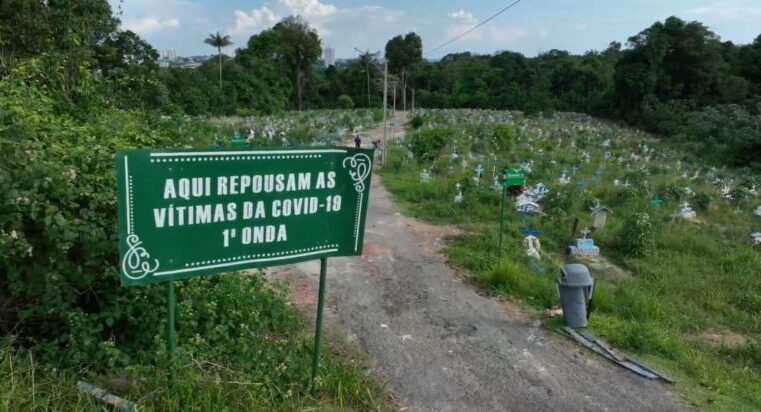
296 212
578 171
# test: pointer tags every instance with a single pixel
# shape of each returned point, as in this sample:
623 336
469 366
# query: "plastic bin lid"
575 275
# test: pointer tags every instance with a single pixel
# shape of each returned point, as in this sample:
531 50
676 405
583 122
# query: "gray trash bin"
575 287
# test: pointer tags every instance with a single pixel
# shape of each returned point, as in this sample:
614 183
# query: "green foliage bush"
417 121
428 144
58 275
345 102
638 235
503 137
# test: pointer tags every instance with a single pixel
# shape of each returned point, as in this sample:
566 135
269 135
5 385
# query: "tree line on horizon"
675 78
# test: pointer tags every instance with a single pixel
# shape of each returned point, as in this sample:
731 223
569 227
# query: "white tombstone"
757 212
425 176
755 238
524 204
686 211
726 192
564 179
533 246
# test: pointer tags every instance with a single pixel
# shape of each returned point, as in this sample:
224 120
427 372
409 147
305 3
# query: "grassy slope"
700 278
203 384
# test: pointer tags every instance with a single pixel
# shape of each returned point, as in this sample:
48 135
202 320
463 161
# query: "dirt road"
443 347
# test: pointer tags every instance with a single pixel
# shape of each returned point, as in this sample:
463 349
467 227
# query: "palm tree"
219 41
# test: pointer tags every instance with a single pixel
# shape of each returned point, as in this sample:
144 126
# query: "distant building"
329 56
168 54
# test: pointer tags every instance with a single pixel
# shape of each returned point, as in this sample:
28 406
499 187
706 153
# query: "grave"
757 212
686 212
755 238
584 246
425 176
479 171
564 179
533 247
600 214
528 207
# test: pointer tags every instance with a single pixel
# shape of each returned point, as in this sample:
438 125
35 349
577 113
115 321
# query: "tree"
290 48
670 61
345 102
218 41
402 53
299 48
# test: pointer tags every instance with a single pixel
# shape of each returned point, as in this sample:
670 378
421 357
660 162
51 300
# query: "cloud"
321 16
727 10
316 13
254 21
376 14
310 9
463 16
150 25
463 20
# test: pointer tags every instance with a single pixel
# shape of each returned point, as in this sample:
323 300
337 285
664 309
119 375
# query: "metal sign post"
318 324
501 223
171 334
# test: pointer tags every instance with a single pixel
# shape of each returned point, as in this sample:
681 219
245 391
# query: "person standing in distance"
357 140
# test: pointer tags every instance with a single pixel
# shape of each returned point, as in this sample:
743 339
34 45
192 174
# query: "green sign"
190 213
516 177
512 177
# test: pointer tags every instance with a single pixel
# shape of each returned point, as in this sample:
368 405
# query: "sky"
530 27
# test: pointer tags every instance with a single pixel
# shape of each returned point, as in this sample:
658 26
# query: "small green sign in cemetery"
184 214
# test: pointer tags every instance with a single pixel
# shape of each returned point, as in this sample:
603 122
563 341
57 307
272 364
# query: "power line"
475 27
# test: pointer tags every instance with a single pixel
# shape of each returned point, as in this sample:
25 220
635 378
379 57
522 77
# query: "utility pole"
385 106
404 90
394 111
413 100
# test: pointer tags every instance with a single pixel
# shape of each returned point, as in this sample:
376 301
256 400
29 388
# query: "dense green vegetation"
675 78
682 295
73 89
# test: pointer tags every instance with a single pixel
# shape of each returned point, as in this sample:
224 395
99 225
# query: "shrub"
637 235
702 201
417 121
345 102
503 137
428 144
